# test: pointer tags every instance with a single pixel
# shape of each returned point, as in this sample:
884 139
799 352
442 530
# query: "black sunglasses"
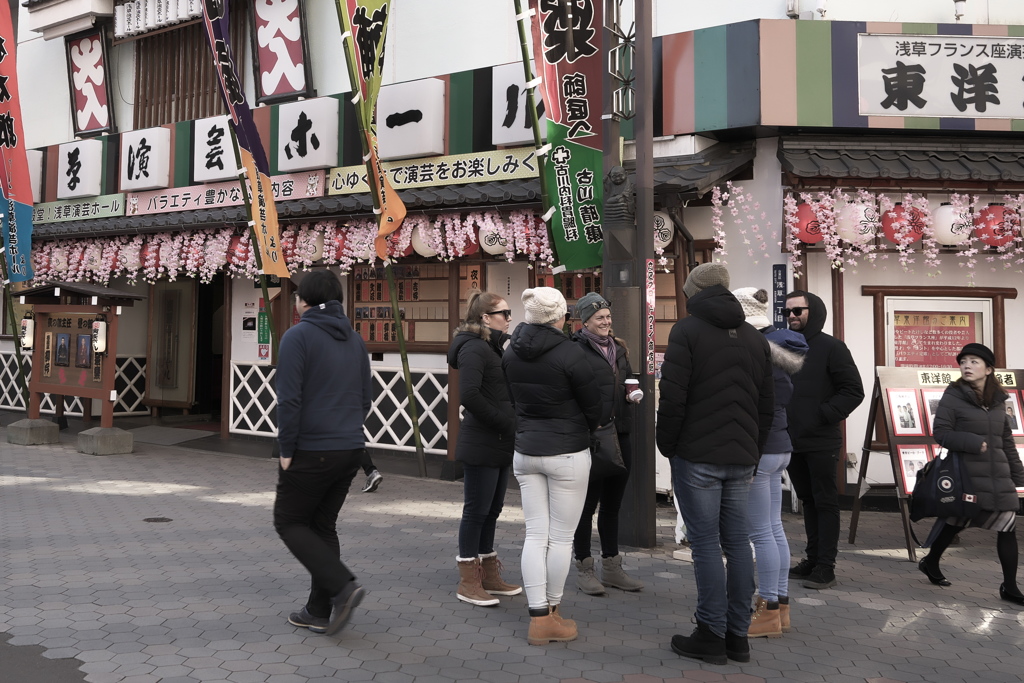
796 310
507 313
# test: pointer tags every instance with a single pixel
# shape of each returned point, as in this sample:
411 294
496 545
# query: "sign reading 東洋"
104 206
475 167
940 76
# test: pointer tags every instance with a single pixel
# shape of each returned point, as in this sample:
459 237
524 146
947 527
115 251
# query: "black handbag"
943 489
605 451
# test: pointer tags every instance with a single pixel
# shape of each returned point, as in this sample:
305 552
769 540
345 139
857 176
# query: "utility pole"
629 250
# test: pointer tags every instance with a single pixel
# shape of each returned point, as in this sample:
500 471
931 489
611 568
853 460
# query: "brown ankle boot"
548 629
784 614
765 622
470 589
492 581
558 617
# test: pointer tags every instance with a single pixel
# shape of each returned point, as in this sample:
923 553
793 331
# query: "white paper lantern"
949 226
664 230
420 245
318 246
492 242
59 260
856 223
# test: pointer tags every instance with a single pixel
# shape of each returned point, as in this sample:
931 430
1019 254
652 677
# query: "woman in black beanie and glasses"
971 420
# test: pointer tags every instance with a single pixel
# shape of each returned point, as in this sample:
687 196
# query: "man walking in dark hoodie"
825 391
715 414
323 397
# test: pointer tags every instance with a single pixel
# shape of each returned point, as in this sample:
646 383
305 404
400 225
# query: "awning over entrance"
925 159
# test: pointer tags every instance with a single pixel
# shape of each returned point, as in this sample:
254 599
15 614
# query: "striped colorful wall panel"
789 73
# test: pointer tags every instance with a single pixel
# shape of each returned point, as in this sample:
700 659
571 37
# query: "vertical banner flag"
567 50
250 150
366 21
15 184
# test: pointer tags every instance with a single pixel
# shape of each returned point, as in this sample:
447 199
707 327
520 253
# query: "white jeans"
553 490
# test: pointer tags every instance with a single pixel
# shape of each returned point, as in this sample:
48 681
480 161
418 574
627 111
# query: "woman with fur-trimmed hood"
771 548
485 444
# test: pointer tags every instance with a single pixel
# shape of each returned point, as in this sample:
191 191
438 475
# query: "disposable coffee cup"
633 392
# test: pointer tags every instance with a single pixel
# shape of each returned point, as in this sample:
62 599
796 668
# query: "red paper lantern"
474 246
393 246
288 245
150 250
339 245
807 225
996 225
910 222
238 254
115 258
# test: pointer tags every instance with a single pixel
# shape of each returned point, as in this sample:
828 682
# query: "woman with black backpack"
971 420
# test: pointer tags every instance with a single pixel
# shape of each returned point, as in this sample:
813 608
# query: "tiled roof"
932 159
693 175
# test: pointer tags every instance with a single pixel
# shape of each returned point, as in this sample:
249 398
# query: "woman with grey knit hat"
609 359
557 406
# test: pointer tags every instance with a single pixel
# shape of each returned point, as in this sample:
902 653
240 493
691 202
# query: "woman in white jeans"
764 503
558 405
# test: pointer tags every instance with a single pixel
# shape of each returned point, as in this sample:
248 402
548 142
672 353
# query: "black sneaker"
344 603
307 620
822 577
373 480
802 570
702 644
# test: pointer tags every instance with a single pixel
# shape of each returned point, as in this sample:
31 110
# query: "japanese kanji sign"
15 184
941 76
475 167
79 169
410 119
364 25
250 149
90 84
510 116
931 338
307 134
145 162
213 156
281 60
567 40
215 195
104 206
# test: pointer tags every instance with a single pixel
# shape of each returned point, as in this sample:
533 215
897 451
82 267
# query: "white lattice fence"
130 383
253 403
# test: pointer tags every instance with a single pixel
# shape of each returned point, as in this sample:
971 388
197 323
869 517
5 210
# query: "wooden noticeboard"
905 399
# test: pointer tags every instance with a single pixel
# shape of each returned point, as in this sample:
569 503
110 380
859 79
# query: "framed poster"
906 412
912 459
930 398
1013 415
929 331
63 354
83 351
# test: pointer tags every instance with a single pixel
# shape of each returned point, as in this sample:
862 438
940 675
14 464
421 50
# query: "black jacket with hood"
553 389
489 421
963 425
717 397
323 384
826 390
613 390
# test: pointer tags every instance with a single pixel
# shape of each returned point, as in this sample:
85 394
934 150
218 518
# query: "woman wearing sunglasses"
485 444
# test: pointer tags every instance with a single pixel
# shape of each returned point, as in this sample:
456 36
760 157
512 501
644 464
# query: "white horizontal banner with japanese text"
104 206
941 76
475 167
304 185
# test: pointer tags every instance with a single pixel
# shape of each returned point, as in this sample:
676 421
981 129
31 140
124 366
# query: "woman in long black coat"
485 444
971 420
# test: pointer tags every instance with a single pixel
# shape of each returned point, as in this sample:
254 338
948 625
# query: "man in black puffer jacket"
825 391
714 416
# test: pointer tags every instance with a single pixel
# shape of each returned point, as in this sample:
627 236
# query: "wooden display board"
906 399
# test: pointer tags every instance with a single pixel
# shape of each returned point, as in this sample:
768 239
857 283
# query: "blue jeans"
770 544
713 500
484 491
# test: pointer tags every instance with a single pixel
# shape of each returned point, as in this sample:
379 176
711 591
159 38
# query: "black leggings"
1006 548
608 492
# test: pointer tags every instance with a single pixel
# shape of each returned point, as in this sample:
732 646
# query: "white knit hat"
544 305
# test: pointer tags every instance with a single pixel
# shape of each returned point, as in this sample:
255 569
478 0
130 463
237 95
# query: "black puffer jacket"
486 437
716 385
826 390
788 350
553 389
606 380
962 425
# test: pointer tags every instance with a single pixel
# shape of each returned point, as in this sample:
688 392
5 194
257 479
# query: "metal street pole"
638 519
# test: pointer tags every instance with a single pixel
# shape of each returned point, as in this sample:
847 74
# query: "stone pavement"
163 566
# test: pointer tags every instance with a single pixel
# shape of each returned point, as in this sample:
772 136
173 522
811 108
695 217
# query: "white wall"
133 326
